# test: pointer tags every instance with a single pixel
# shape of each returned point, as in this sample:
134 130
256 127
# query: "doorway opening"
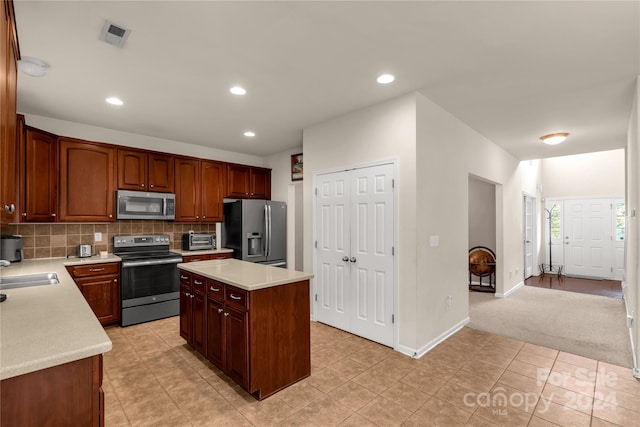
482 235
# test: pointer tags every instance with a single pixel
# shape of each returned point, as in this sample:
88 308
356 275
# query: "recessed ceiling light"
554 138
237 90
250 134
385 79
114 101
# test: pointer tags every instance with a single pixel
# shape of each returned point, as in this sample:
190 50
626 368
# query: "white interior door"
528 233
588 238
333 250
354 222
371 255
619 236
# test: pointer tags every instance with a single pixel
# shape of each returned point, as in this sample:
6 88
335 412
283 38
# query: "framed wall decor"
296 167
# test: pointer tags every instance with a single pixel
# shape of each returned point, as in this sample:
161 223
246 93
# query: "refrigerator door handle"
266 230
269 241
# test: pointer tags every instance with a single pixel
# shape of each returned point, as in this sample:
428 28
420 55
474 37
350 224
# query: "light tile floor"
152 377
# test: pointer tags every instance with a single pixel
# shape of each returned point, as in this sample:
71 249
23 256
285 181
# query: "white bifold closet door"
355 278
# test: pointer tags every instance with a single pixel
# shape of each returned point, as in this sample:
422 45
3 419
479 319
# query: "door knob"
353 259
345 258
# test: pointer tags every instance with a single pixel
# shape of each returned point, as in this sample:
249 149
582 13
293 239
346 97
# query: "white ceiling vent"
114 34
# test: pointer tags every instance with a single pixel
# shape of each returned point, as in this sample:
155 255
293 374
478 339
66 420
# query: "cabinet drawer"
198 283
94 269
215 290
236 297
196 258
222 256
185 278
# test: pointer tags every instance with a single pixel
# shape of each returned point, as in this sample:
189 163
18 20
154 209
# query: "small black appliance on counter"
11 248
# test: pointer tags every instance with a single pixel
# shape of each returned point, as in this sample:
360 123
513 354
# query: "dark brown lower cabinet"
65 395
260 339
100 286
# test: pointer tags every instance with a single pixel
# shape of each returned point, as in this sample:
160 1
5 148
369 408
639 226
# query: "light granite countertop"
245 275
45 326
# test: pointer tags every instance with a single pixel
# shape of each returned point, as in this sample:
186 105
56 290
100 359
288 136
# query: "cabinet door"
212 195
8 119
215 332
238 181
132 170
237 345
185 313
260 183
41 181
87 181
187 182
103 296
199 322
161 173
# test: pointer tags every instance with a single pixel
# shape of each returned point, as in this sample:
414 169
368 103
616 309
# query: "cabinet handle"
195 259
195 282
110 216
226 314
93 270
187 294
214 289
115 280
53 215
184 277
235 297
220 310
24 214
192 296
197 217
204 217
142 185
10 208
150 185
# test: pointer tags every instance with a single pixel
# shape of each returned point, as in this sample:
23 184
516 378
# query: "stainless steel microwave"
143 205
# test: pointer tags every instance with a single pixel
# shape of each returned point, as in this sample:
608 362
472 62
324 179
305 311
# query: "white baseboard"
510 291
418 353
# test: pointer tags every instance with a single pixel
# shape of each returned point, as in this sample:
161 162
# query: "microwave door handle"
164 207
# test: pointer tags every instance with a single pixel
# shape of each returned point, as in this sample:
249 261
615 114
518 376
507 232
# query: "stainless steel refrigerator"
256 230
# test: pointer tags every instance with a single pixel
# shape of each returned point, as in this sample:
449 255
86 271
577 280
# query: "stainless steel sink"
39 279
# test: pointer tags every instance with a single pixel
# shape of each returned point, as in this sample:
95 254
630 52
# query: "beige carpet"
587 325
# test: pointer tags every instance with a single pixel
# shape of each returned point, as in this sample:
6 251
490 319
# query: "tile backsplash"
60 240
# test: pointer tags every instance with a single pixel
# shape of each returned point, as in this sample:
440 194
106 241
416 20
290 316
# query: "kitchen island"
51 347
250 320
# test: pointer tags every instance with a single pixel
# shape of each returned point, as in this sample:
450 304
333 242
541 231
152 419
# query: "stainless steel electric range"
149 278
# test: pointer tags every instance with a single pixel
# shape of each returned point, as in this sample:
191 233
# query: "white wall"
110 136
380 132
632 291
482 214
573 176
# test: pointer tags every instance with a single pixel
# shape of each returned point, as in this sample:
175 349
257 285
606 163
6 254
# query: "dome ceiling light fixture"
554 138
238 90
385 79
114 101
249 134
33 67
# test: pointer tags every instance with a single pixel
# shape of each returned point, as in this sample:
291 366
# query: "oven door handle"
126 264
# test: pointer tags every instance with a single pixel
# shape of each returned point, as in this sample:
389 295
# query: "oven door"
147 282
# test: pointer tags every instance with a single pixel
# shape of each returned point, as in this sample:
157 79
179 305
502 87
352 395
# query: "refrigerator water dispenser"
254 244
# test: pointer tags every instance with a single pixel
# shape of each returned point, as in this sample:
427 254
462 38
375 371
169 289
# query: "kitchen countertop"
45 326
245 275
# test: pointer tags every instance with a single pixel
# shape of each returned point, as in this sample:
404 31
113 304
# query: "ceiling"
512 70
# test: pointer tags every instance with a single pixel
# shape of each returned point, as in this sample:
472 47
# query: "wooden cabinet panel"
187 182
63 395
199 320
161 172
206 257
87 181
212 191
237 346
185 312
41 178
145 171
247 182
238 181
103 296
215 332
236 297
215 290
132 170
260 183
100 286
224 255
8 119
